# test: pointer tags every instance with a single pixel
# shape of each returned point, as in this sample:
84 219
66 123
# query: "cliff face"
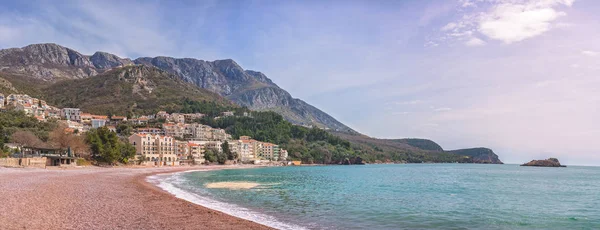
52 63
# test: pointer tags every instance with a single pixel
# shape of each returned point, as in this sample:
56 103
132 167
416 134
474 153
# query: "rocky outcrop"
550 162
103 61
52 62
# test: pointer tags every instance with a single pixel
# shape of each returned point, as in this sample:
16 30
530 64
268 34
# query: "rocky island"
550 162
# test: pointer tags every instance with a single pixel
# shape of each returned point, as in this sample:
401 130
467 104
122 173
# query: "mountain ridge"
253 89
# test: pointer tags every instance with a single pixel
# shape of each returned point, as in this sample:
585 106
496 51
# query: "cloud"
445 109
512 22
508 21
473 41
413 102
449 26
589 53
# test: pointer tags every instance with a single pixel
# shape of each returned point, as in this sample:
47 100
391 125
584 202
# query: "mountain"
252 89
126 90
132 89
245 87
105 83
416 150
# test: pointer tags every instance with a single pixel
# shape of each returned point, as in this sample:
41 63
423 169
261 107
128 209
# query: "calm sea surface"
411 196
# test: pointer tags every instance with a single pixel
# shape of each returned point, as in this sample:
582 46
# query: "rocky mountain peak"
103 60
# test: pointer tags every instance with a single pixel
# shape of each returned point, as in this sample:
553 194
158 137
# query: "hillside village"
161 139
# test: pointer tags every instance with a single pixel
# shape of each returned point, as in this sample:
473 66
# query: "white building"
71 114
97 123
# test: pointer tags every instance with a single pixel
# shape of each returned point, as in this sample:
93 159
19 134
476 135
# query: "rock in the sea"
550 162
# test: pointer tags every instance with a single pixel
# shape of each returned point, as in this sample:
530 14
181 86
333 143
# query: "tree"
127 152
221 157
230 155
210 155
25 139
80 148
106 146
60 138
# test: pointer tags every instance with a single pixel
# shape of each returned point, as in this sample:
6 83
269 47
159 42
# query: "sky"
518 76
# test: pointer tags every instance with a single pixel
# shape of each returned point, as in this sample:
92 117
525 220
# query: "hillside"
415 150
128 90
53 63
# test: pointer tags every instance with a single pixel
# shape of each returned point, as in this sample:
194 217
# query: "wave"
168 183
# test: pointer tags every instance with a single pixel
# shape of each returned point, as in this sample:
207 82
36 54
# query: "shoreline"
104 198
161 181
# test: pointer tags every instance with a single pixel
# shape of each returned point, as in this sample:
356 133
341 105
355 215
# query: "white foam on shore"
167 183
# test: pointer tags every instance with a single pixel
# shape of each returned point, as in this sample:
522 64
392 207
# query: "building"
74 125
182 150
52 112
71 114
269 151
245 148
139 121
155 131
228 113
283 155
155 150
193 116
197 153
86 118
26 107
97 123
1 100
117 119
174 129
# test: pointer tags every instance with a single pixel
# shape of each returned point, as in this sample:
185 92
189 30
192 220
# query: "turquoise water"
411 196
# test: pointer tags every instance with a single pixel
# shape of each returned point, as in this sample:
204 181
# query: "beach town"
161 139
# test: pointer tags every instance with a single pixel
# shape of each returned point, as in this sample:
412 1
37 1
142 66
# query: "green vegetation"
421 143
214 156
13 121
311 145
106 146
230 155
130 91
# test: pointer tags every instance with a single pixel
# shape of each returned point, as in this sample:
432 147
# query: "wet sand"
102 198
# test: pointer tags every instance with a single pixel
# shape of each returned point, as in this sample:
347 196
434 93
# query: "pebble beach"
102 198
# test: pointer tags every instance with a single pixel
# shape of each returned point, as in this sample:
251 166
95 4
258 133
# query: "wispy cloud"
444 109
589 53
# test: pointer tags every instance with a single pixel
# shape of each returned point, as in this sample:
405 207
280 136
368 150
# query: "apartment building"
156 149
71 114
269 151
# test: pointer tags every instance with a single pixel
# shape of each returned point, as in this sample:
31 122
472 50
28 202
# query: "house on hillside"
71 114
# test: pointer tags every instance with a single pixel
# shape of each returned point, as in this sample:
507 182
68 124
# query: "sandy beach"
102 198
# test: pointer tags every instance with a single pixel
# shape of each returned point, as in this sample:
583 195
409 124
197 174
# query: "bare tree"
80 148
60 138
25 139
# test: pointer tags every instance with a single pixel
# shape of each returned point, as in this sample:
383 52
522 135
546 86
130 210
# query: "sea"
400 196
